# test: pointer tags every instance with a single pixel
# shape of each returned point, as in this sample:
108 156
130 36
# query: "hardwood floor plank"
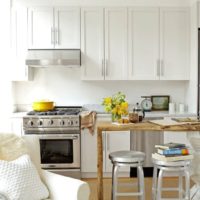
168 182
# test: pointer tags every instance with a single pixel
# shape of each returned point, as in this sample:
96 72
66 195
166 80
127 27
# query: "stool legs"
140 176
154 183
114 181
157 183
187 184
141 182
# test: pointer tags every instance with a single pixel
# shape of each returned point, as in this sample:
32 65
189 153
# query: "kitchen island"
142 126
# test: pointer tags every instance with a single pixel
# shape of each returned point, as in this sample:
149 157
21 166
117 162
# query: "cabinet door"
16 126
174 44
120 140
20 72
92 44
116 44
89 152
143 31
41 28
67 28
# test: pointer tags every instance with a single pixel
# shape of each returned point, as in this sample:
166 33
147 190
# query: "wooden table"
143 126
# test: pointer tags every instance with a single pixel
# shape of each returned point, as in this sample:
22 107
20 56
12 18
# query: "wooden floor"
168 182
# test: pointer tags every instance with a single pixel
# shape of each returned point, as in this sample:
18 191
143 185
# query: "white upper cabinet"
92 44
20 72
174 42
143 37
115 44
104 43
158 44
138 44
50 27
40 28
67 28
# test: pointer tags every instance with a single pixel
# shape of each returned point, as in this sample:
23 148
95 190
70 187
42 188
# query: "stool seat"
172 163
127 156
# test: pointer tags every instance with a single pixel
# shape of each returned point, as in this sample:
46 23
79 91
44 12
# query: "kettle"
137 109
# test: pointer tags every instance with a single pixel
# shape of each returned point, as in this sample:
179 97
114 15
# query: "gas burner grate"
57 111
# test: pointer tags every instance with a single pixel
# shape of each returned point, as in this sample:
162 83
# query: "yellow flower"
117 105
124 105
107 100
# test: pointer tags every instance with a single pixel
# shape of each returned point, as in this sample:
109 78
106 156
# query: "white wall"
64 86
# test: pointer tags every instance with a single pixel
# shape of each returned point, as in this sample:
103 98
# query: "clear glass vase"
116 117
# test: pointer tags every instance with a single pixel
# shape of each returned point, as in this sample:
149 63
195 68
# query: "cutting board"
167 122
186 119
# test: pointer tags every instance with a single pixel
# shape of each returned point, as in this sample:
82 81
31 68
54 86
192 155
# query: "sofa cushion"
19 180
11 147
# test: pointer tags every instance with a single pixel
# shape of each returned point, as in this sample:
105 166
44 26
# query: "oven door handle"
50 137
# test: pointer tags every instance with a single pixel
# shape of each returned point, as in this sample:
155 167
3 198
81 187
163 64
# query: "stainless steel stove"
59 134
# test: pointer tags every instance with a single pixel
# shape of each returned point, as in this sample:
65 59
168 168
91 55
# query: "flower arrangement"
116 105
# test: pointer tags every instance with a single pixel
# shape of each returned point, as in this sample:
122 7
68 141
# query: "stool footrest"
170 189
127 184
129 194
173 199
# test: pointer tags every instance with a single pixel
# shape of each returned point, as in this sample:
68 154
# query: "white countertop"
18 114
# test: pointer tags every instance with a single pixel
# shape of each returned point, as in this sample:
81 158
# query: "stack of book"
172 152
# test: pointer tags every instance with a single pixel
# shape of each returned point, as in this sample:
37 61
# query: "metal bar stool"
180 169
132 159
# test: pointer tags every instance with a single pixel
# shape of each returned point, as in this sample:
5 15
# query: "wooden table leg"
99 165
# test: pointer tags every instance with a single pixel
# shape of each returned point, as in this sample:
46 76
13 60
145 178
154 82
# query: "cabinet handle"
102 67
161 68
108 142
158 67
57 36
106 68
52 35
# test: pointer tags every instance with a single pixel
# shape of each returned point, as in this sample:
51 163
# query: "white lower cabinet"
111 142
16 125
115 141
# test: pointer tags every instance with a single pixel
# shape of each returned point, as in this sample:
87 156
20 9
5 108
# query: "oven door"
60 151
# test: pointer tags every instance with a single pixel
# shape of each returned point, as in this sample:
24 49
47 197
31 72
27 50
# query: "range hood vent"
56 57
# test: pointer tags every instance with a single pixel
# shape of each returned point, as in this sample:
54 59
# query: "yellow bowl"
43 105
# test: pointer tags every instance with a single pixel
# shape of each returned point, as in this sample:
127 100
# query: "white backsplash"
65 87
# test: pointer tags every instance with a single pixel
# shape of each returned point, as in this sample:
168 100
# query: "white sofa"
60 187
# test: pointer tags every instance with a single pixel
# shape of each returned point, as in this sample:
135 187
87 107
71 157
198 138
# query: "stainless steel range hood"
49 57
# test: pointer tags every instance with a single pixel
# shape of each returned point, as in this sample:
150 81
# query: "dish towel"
88 119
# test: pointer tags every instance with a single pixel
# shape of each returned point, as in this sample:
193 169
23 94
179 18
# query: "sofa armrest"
65 188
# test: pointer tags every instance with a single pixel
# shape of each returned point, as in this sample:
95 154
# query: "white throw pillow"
19 180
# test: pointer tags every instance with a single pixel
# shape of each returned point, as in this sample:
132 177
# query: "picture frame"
160 102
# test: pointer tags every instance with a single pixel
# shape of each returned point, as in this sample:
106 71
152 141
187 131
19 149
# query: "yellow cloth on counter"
88 119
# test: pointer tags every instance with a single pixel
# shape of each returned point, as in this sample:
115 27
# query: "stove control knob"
40 122
50 122
70 122
30 123
62 123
